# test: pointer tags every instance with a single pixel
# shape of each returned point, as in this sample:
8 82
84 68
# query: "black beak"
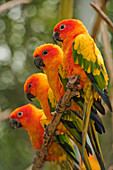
15 123
56 37
30 96
38 62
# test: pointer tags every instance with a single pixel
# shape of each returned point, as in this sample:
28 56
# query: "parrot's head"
48 56
36 85
25 117
68 29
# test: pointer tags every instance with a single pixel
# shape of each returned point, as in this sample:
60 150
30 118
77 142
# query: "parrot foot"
73 80
54 138
38 153
62 109
59 108
46 132
53 113
34 161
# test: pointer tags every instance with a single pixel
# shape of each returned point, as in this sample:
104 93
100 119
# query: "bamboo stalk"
66 9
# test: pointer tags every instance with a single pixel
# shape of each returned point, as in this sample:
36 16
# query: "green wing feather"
88 56
64 141
63 77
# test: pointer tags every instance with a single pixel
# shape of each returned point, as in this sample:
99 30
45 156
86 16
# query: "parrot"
37 86
94 163
50 58
33 120
83 58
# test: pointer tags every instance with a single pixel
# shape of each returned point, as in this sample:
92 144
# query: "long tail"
93 115
102 93
86 114
77 138
65 143
95 143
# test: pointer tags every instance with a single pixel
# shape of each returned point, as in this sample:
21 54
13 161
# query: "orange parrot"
94 163
50 58
37 86
33 121
83 58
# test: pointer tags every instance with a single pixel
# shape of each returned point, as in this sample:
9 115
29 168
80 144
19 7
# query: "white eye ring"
19 114
62 26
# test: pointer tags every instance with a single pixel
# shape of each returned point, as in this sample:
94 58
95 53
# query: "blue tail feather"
102 93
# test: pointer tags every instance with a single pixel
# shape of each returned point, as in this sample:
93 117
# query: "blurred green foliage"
22 29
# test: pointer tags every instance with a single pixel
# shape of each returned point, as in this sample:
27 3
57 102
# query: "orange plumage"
74 29
33 120
40 89
53 61
94 163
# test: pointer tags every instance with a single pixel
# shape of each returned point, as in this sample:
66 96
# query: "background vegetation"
22 29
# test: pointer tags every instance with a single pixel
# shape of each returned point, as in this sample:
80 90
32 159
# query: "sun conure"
83 58
37 86
94 163
34 121
50 58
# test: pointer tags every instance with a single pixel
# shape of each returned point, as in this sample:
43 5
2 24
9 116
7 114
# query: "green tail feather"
65 143
95 143
86 117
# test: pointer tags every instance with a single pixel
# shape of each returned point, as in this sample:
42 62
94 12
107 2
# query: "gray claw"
46 132
69 104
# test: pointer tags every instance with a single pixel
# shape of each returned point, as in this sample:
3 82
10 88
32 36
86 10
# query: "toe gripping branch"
72 86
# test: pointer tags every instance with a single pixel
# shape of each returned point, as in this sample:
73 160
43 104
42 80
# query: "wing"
51 100
88 56
63 77
64 141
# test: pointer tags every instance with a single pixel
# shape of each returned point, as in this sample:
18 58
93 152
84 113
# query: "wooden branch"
13 3
96 25
103 15
107 50
108 60
71 91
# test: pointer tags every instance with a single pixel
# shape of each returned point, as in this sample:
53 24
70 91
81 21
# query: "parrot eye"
45 52
62 26
19 114
29 86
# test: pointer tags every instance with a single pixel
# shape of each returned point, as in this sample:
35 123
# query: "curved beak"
30 96
38 62
15 123
56 37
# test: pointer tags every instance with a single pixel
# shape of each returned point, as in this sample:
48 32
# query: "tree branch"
71 91
107 50
13 3
98 20
108 60
103 15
